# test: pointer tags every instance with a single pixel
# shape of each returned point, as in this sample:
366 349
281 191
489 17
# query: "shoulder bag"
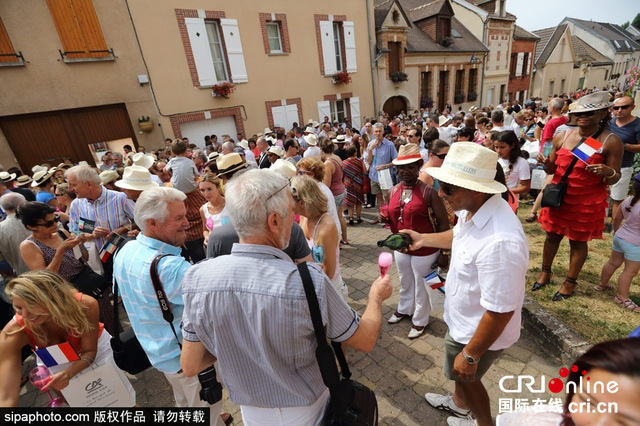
127 351
553 193
352 403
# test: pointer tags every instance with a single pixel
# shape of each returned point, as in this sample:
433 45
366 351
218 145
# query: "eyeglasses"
59 195
621 107
447 188
584 113
412 136
441 156
269 197
49 223
302 172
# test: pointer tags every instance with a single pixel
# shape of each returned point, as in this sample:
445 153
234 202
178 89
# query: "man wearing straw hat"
486 280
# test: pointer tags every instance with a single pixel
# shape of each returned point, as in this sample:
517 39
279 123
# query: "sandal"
537 286
601 287
561 296
359 220
532 218
351 221
627 304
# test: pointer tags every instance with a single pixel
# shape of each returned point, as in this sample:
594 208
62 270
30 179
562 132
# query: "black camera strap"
163 300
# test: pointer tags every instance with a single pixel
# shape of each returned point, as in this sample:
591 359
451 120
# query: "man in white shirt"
486 279
497 119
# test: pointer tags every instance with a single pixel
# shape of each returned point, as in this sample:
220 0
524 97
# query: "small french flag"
434 281
106 252
57 354
586 149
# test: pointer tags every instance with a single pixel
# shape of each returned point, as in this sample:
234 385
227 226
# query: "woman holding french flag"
587 160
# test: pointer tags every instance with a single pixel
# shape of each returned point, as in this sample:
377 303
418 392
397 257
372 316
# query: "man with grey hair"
12 232
380 154
97 210
263 160
161 215
251 325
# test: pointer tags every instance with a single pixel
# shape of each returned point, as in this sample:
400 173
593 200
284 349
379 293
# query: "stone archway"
394 105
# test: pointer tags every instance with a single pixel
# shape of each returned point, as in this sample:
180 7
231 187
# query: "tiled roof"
521 34
428 9
380 10
549 37
622 41
584 52
418 41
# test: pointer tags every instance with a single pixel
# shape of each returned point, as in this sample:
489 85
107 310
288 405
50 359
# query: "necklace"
217 208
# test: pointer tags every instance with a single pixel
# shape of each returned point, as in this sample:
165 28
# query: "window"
473 84
337 40
606 75
525 64
8 55
340 109
394 57
551 84
337 110
519 64
514 60
273 33
562 82
425 88
444 27
79 30
217 54
459 82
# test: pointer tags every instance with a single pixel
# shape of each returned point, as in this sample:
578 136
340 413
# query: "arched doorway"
394 105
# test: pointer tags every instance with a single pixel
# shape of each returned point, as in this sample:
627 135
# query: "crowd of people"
449 180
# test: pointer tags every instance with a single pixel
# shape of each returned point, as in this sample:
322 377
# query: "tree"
636 21
625 25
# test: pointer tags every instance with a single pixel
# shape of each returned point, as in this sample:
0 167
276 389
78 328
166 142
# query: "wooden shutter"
7 52
328 48
279 114
354 105
324 110
394 57
234 50
519 64
350 45
78 28
292 116
201 51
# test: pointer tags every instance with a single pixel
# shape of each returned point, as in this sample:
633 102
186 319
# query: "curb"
552 333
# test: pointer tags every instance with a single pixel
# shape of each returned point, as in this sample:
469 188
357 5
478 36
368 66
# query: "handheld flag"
584 150
57 354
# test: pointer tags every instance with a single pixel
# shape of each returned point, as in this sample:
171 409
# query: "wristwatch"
470 360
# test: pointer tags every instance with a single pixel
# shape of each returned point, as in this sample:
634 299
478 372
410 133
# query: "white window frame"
337 30
275 24
215 29
335 107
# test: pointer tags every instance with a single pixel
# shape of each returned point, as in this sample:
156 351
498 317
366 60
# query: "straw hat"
276 150
312 140
41 177
108 176
23 180
442 120
471 166
473 108
339 139
409 153
142 160
310 122
316 124
36 169
592 102
7 177
137 178
267 131
229 163
63 166
284 167
213 156
82 163
309 130
244 144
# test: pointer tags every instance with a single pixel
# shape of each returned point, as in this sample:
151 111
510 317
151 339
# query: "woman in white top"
214 212
516 169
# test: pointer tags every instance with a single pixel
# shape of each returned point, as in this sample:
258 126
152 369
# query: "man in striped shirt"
249 311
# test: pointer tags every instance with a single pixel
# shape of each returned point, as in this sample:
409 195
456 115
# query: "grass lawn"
591 313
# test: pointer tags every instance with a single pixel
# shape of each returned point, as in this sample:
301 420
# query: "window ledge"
110 56
278 54
13 64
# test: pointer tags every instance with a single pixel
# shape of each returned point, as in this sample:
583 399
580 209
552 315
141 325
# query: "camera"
211 389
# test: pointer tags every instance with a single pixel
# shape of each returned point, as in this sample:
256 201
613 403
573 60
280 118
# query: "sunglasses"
49 223
58 195
447 188
270 196
584 113
302 172
621 107
440 156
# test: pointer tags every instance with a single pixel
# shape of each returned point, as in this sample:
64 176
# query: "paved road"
399 370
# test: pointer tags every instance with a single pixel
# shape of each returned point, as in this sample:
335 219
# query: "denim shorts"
630 251
339 200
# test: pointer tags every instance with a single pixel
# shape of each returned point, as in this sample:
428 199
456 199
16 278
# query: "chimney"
501 8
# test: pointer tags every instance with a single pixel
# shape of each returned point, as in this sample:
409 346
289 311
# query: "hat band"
484 174
410 157
227 169
134 180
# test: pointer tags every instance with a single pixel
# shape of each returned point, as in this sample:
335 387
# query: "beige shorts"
451 351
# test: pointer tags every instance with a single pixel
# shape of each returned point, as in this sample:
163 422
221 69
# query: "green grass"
591 313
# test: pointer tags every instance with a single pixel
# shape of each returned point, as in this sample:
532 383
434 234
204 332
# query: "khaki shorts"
375 187
451 351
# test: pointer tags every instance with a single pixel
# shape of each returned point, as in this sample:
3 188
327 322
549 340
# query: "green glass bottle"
396 241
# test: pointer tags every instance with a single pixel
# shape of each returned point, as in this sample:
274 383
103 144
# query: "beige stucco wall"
295 75
48 84
471 20
559 66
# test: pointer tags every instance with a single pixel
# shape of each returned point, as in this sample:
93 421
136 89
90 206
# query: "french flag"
57 354
434 281
106 252
584 150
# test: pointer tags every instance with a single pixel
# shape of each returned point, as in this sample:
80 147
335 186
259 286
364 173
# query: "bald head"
624 100
623 109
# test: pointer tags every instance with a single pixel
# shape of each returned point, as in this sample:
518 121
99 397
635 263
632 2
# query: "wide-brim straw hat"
213 156
339 139
7 177
409 153
23 180
309 130
41 177
108 176
312 140
229 163
63 166
442 120
143 160
471 166
316 124
276 150
592 102
136 178
284 167
267 131
36 169
473 108
244 144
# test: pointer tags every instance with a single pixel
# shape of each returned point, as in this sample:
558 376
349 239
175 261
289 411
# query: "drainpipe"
372 61
484 33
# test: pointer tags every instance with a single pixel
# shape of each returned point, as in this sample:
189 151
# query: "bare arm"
205 230
617 221
34 259
365 337
11 363
328 238
436 240
195 358
328 172
523 187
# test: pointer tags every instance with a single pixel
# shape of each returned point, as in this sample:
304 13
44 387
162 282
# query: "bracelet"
89 360
445 252
613 175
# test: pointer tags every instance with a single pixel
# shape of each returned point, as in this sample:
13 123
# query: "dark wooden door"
394 57
394 105
442 89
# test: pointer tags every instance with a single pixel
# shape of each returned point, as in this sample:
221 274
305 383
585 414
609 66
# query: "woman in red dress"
581 216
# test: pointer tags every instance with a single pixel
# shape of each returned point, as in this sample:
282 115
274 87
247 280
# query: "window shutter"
519 64
292 116
324 110
354 104
78 28
6 47
328 48
350 45
526 70
201 52
279 116
234 50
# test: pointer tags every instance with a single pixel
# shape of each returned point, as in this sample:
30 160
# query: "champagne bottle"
396 241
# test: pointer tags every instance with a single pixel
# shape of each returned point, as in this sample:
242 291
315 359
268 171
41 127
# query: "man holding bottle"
486 280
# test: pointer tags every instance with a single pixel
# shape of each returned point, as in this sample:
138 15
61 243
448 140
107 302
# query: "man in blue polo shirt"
380 154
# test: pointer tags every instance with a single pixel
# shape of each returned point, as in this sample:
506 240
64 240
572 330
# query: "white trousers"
186 391
290 416
414 298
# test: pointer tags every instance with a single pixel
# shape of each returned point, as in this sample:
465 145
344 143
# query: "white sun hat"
136 178
284 167
143 160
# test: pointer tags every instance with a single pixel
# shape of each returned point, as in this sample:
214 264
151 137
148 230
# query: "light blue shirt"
131 268
383 154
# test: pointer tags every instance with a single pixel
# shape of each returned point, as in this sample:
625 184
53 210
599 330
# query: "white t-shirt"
313 151
520 171
489 260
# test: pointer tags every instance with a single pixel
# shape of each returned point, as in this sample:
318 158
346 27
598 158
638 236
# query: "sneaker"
416 331
445 402
396 317
456 421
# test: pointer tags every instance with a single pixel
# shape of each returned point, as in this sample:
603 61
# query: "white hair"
378 126
252 196
11 200
556 103
84 174
154 204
